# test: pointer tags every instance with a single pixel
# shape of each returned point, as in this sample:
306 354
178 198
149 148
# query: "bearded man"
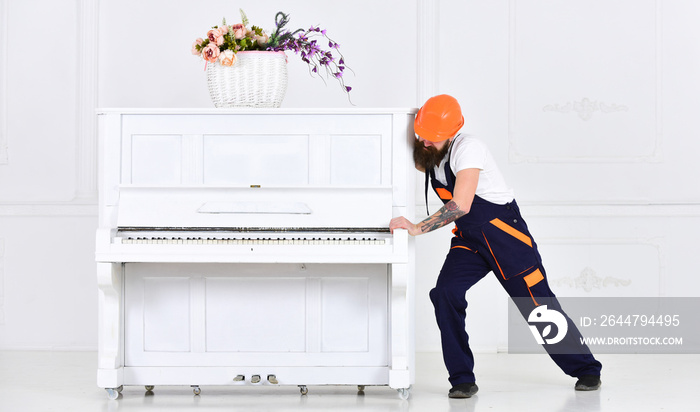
490 236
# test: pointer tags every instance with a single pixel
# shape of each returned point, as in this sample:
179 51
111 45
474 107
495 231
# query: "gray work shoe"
463 390
588 383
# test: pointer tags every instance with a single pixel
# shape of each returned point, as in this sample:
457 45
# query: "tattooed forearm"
446 215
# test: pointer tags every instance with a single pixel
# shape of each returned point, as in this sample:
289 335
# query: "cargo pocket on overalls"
531 280
512 250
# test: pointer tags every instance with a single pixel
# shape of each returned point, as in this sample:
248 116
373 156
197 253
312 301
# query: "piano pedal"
239 378
272 379
255 379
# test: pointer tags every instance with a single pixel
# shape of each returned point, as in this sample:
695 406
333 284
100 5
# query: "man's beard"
428 157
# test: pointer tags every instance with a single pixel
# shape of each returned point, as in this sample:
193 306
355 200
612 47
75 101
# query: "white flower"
227 58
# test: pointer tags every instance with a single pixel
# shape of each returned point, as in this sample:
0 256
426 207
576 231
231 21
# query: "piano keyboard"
345 241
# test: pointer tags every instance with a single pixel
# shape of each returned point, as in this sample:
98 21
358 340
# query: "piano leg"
110 349
401 333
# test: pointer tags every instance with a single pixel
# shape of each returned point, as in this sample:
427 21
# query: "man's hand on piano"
403 223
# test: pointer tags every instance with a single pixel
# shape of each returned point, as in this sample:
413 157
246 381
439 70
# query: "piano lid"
258 207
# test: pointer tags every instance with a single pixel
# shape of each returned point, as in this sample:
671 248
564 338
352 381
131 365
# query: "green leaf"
257 30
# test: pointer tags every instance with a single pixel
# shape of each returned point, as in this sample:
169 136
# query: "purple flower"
309 44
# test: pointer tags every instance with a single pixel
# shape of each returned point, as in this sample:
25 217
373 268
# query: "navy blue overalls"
493 238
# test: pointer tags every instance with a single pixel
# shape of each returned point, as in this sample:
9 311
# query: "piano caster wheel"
361 389
196 389
404 392
113 393
303 389
149 388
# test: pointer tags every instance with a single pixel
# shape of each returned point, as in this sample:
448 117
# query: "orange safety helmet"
439 119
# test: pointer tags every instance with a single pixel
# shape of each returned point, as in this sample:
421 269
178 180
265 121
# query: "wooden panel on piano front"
248 160
263 149
156 159
356 160
266 315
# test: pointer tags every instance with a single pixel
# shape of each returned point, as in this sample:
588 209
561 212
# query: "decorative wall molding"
427 70
585 108
84 202
88 33
48 209
590 281
3 82
610 210
630 210
2 281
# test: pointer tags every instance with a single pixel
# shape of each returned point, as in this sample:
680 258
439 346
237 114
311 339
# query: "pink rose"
215 36
196 43
227 58
223 29
239 33
235 27
211 53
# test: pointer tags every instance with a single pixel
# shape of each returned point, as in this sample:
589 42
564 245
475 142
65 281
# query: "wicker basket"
257 79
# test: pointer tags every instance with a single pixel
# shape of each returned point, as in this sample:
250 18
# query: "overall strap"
426 192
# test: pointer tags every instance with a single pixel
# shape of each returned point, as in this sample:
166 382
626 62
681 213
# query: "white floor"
65 381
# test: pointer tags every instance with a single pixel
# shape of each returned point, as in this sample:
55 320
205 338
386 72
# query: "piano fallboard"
238 207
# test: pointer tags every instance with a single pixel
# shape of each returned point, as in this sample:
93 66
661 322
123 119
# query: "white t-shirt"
468 152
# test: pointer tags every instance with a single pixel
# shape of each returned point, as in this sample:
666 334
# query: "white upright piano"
251 247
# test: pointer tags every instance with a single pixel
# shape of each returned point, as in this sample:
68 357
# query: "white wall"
47 220
145 58
609 195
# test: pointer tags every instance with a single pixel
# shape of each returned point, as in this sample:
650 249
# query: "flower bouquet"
246 67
